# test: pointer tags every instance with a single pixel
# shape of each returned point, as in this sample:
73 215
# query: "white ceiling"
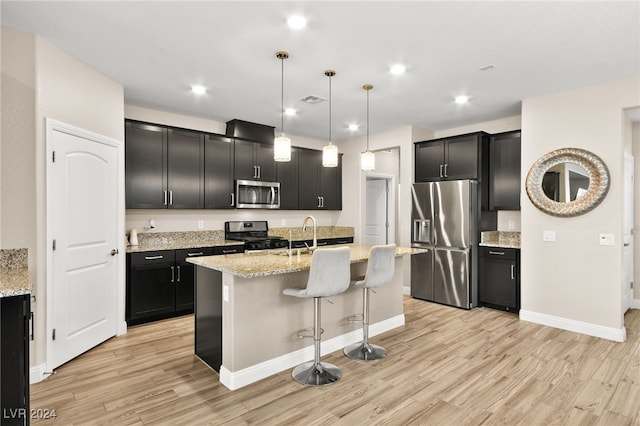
157 50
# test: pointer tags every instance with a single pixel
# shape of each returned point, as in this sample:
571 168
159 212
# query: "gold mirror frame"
598 182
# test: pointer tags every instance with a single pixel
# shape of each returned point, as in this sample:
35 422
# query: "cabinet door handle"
445 169
259 172
318 202
233 199
165 198
170 198
178 273
195 254
513 272
228 251
153 257
499 253
441 166
322 202
173 274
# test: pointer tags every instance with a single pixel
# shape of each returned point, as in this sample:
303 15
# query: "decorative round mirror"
567 182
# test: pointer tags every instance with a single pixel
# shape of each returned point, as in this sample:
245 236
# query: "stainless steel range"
254 234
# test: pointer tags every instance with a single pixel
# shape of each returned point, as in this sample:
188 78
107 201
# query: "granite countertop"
152 241
278 262
14 274
503 239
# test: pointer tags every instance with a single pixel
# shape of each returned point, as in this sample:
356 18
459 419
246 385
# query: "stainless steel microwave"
254 194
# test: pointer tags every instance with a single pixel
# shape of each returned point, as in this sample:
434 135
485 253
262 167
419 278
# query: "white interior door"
376 226
627 253
83 217
380 208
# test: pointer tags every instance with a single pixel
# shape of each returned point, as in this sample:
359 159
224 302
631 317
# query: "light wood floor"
446 366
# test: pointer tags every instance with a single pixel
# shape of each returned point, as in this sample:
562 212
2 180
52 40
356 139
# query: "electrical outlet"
511 224
548 235
606 239
225 293
201 224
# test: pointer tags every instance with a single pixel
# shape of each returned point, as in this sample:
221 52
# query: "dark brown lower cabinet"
160 284
499 283
15 312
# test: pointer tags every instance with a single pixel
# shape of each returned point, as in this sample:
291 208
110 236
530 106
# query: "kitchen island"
240 297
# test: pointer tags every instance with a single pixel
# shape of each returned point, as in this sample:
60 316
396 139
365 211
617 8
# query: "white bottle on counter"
133 237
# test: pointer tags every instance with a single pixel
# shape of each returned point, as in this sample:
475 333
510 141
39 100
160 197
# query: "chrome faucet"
315 232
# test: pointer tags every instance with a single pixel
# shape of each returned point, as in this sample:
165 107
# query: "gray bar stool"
329 275
380 269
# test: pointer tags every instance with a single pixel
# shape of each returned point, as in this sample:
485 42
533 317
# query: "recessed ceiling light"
398 69
353 127
290 111
199 90
296 22
462 99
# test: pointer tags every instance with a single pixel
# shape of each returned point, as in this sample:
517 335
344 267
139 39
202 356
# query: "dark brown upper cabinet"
219 192
458 157
320 188
504 171
254 161
164 167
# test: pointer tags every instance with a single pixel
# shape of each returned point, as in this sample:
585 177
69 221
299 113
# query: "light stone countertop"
503 239
14 282
276 262
175 245
153 241
14 274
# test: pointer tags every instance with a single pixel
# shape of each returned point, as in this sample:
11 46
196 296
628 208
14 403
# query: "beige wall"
64 89
574 281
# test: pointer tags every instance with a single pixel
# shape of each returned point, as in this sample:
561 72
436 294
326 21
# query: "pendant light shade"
330 151
282 144
367 158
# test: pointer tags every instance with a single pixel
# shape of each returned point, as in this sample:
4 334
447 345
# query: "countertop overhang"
262 264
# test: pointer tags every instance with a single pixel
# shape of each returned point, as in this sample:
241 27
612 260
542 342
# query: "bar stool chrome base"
316 374
365 351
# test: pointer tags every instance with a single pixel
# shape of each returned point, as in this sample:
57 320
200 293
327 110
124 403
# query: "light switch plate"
606 240
548 235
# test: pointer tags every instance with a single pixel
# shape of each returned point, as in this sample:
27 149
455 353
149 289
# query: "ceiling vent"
313 99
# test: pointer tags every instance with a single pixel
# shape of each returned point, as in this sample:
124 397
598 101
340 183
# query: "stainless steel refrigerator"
445 219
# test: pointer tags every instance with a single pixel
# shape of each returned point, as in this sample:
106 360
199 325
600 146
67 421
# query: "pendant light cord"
330 109
367 120
282 95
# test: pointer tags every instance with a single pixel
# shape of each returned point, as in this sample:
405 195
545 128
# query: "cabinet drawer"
182 254
237 248
499 252
152 257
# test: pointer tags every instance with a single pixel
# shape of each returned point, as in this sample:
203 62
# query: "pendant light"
282 144
330 151
367 158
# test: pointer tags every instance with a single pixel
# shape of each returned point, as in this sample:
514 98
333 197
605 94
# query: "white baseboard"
406 291
615 334
635 304
246 376
37 373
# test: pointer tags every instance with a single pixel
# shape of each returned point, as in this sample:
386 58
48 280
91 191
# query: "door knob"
114 252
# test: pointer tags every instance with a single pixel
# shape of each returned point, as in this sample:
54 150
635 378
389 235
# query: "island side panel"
208 316
260 323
